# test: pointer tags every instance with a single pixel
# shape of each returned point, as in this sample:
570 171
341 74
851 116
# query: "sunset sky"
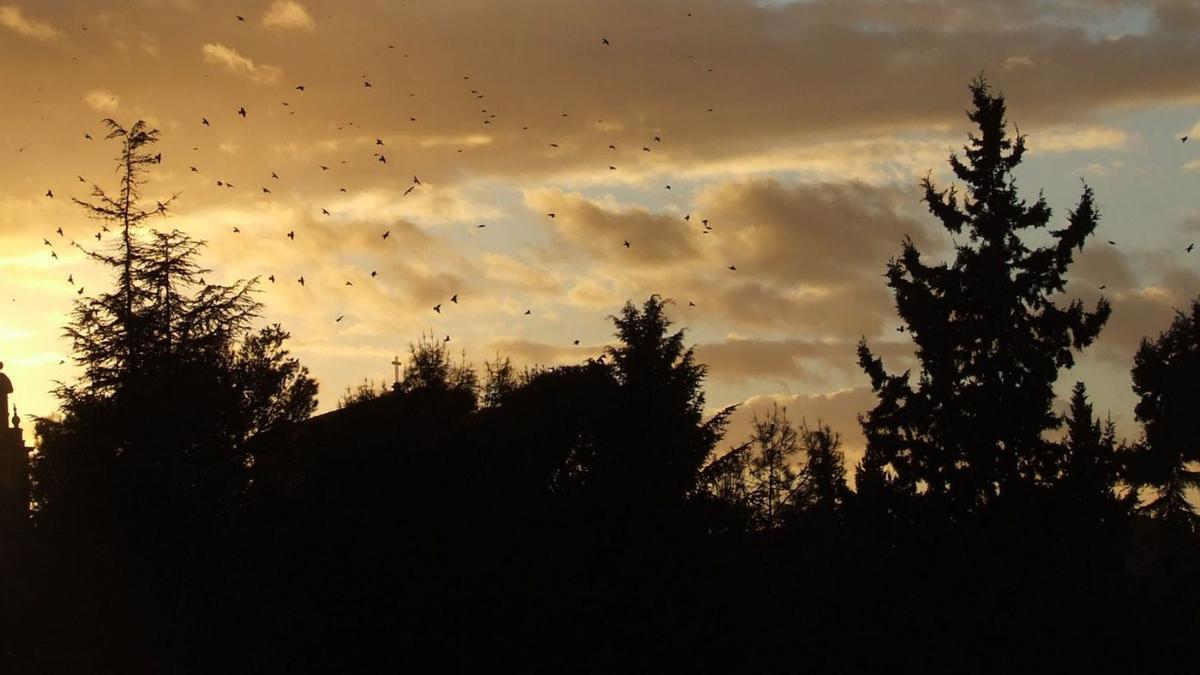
799 130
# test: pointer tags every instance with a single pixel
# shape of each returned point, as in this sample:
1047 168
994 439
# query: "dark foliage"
191 515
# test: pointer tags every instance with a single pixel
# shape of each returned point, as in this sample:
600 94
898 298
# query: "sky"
798 130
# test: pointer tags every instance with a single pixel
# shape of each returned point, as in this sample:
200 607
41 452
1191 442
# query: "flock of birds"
381 158
415 183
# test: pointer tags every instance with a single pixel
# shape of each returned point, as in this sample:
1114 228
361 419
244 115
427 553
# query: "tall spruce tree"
1166 374
990 338
1089 469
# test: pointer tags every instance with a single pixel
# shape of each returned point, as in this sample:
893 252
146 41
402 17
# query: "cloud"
838 409
739 359
236 63
287 14
1074 139
12 18
102 101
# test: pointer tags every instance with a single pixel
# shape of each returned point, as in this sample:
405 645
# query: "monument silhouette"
14 464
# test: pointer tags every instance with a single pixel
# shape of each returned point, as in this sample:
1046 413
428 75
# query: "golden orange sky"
798 130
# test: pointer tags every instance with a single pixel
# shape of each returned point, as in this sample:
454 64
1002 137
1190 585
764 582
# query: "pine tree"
823 490
1089 470
990 337
664 440
174 380
773 481
1166 373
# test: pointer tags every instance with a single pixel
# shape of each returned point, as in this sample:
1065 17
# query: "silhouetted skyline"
798 130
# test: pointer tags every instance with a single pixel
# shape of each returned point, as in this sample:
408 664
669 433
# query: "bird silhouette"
266 191
438 308
374 274
1183 139
291 235
604 41
204 121
454 298
1190 247
550 214
339 319
326 212
50 194
236 231
528 312
271 278
386 234
242 19
87 136
576 343
274 175
732 268
378 141
194 169
242 112
59 231
626 243
416 181
410 189
299 87
300 281
71 279
349 284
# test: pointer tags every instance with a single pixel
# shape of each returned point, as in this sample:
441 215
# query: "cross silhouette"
396 364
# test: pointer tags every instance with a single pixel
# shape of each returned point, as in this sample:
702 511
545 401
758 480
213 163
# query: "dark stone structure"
14 464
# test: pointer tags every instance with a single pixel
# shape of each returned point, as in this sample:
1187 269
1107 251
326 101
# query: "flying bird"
732 268
326 212
528 312
626 243
410 189
339 319
71 279
300 281
387 234
204 121
50 194
291 235
236 231
242 112
299 87
416 181
550 214
60 232
454 298
438 308
242 19
1190 247
266 191
604 41
87 136
1183 139
271 278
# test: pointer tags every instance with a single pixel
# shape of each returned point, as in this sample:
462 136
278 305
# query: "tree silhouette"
1090 467
431 369
823 490
664 439
990 337
773 480
174 380
1165 376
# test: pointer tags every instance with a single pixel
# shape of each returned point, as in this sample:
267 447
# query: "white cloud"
1072 139
287 14
102 101
12 18
236 63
